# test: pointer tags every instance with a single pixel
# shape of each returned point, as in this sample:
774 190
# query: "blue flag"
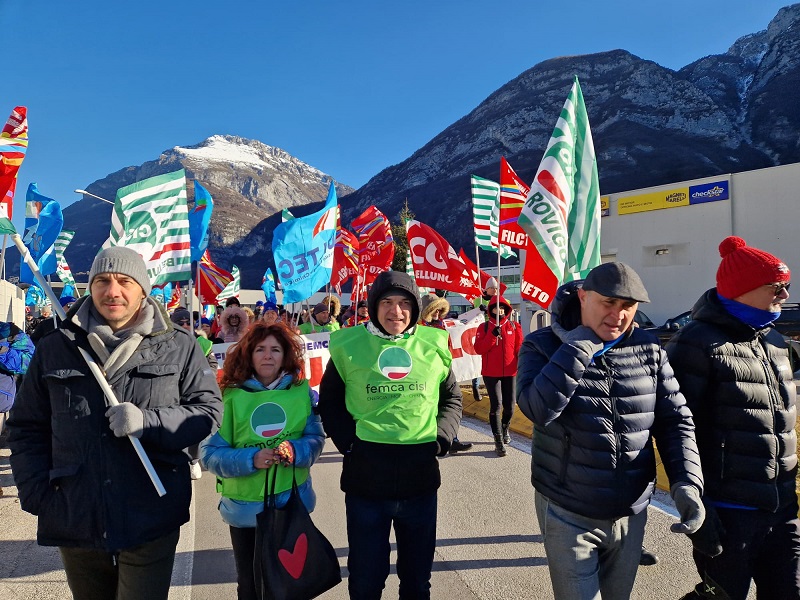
68 291
35 296
268 285
199 218
157 294
43 222
303 251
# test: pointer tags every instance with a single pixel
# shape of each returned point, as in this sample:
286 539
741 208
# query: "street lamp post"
93 196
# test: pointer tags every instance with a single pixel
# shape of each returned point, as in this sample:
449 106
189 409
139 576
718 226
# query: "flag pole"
3 256
93 367
191 305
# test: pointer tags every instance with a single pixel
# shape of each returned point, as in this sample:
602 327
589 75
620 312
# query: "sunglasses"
779 287
183 322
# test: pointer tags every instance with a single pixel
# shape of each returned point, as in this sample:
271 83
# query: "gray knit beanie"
119 259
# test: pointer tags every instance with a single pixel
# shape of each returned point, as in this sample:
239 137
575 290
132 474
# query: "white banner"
466 363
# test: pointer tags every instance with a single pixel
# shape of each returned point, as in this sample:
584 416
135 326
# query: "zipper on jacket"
774 402
722 461
567 443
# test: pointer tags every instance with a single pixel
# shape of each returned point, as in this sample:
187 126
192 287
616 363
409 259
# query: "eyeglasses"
779 287
183 322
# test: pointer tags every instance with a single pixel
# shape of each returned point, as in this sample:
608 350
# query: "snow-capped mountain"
651 125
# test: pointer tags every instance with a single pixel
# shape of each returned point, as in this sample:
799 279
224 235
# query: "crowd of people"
718 403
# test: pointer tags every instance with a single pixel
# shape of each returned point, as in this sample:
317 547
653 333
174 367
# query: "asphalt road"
488 548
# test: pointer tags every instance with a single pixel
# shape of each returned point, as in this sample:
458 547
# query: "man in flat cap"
734 369
71 462
598 389
320 320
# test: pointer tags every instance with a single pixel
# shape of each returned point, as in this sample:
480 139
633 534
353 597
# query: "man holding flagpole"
74 469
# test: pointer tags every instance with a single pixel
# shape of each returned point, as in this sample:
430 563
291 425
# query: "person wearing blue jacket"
270 421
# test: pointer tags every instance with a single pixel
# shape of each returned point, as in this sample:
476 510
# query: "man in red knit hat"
734 370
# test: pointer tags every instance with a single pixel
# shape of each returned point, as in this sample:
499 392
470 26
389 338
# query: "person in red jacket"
498 342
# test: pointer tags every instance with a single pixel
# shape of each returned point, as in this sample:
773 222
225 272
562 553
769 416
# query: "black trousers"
758 546
243 540
502 390
136 573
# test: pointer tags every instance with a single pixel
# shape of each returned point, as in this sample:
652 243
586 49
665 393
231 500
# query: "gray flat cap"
616 280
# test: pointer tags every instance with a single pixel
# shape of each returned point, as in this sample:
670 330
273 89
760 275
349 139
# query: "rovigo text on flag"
303 251
199 218
513 192
376 243
13 146
345 257
211 279
232 289
486 215
562 210
151 217
481 278
268 286
62 268
43 222
436 264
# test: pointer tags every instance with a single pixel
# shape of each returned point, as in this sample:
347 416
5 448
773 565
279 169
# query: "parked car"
667 330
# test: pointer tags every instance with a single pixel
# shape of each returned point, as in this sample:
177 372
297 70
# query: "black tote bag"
293 560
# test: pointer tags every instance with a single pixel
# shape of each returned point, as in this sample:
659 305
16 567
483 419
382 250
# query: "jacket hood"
335 305
233 309
498 299
387 283
430 305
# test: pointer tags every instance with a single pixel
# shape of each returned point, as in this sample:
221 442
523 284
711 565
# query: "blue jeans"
589 557
368 527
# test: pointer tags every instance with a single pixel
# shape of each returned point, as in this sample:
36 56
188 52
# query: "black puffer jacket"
87 486
594 420
738 383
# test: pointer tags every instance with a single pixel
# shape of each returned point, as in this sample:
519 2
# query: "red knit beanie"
744 268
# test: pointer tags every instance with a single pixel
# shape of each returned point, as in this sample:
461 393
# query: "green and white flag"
232 289
562 211
62 268
151 217
486 215
286 215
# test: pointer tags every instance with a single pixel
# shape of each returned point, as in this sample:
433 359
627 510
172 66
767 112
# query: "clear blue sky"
349 87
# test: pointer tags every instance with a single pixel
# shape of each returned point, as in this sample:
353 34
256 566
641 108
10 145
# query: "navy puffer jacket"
595 419
738 383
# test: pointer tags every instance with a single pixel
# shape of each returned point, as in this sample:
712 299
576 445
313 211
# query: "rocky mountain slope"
725 113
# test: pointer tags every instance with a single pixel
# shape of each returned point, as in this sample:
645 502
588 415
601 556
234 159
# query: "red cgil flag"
436 264
345 257
484 276
376 243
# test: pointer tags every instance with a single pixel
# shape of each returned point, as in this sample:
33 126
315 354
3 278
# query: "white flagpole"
3 257
93 367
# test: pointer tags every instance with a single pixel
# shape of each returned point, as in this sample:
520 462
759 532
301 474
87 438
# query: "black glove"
482 307
496 332
708 539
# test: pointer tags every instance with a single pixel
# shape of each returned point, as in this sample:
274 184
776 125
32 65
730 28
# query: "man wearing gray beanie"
72 465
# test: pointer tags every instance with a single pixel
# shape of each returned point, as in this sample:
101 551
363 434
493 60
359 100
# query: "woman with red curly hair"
270 421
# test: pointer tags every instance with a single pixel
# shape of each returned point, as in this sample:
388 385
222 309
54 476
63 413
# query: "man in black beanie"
391 404
74 468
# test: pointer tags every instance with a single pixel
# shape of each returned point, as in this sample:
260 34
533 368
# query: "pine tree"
400 239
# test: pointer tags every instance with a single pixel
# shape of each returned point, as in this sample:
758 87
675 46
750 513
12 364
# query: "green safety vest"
392 386
263 420
205 344
331 326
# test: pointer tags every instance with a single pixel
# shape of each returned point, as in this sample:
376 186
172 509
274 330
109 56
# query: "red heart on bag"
295 561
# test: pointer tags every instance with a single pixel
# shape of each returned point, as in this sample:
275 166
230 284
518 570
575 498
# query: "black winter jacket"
87 486
738 383
594 421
